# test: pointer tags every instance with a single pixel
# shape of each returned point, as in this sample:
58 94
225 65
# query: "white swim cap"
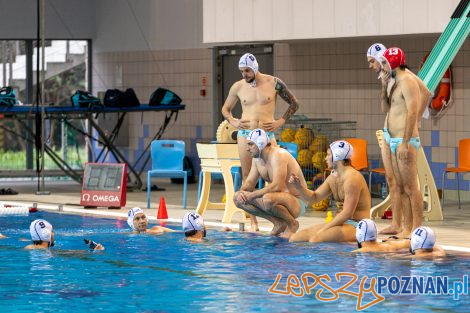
422 238
259 137
375 51
130 216
341 150
193 221
366 230
248 60
41 230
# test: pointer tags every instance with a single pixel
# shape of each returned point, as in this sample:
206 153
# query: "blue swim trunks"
246 132
353 223
395 142
303 207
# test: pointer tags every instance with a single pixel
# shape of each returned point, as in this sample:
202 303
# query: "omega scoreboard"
104 185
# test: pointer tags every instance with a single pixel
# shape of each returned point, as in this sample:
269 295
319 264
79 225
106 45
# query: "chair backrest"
464 153
167 154
359 158
291 147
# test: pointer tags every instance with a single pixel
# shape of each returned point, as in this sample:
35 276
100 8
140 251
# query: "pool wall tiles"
329 77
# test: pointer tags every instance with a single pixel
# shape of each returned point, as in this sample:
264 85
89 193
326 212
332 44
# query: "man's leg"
284 206
404 200
305 234
409 173
393 190
344 233
245 164
255 208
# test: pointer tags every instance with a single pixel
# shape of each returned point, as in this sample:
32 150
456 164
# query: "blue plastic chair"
291 147
237 180
167 161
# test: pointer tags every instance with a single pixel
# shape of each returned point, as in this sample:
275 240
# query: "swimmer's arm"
308 195
160 229
287 96
228 106
250 182
279 167
384 102
410 92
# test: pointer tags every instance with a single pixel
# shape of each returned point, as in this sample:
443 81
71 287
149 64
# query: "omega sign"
104 185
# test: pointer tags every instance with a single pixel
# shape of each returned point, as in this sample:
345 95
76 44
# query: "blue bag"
7 96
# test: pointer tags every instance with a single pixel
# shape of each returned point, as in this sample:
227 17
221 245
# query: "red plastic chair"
463 166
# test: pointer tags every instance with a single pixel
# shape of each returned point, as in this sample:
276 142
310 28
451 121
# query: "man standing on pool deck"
277 202
257 93
348 188
404 96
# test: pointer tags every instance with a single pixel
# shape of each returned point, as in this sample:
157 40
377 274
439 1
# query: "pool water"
232 272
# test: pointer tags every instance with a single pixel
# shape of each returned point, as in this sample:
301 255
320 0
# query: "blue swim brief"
353 223
303 207
395 142
246 132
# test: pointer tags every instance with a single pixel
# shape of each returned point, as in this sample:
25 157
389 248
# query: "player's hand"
274 125
240 196
385 77
99 247
242 124
294 180
402 151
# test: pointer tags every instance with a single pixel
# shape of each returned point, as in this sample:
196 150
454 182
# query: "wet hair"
38 242
347 162
404 67
359 245
193 232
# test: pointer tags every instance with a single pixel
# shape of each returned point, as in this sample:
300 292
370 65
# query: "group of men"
403 98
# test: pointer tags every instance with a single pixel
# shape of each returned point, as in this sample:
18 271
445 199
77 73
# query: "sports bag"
7 96
163 96
84 99
116 98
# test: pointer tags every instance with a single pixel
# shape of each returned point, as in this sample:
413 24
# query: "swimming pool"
232 272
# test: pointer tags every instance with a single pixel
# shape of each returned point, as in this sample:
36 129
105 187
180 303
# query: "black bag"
163 96
7 96
187 166
116 98
84 99
131 98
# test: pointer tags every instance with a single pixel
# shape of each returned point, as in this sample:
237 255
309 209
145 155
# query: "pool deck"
453 232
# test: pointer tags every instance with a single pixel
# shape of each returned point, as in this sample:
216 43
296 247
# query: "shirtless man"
257 93
404 97
137 220
348 188
278 201
366 237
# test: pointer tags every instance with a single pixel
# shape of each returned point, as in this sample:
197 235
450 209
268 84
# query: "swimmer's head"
258 138
248 62
340 150
193 223
422 238
42 231
136 219
392 58
374 54
366 230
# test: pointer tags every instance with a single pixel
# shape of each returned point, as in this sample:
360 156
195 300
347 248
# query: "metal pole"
43 78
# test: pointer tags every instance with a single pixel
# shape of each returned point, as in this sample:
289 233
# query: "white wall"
232 21
123 25
65 19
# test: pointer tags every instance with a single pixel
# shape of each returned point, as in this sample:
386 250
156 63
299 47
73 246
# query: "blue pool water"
231 273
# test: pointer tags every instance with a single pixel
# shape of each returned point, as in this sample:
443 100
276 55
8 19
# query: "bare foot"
390 230
294 226
278 228
286 235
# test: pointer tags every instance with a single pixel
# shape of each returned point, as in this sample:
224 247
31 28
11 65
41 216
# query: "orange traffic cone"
162 213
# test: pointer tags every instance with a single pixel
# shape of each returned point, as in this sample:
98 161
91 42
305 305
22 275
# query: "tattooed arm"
288 97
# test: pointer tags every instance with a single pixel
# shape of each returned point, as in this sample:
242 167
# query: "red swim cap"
395 57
